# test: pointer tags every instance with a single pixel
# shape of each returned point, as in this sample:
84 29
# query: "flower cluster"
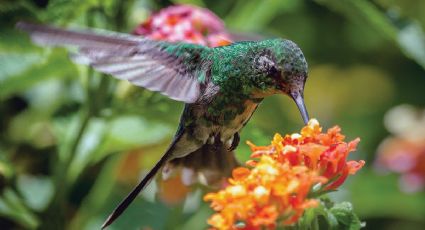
404 152
278 183
185 23
325 153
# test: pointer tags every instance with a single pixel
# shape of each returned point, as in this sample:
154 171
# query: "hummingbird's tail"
133 194
210 165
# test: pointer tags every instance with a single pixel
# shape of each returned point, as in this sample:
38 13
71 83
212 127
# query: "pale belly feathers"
202 133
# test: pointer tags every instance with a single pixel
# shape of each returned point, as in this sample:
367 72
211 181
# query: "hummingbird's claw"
235 142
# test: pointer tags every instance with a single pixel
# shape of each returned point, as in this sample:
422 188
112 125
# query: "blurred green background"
73 142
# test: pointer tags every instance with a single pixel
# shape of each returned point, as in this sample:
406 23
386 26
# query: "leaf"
64 11
345 215
135 131
98 195
327 215
12 206
129 131
56 65
309 216
6 169
90 141
15 63
65 130
253 15
17 42
408 35
37 191
411 39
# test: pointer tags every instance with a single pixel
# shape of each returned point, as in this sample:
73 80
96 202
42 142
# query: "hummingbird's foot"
211 140
235 142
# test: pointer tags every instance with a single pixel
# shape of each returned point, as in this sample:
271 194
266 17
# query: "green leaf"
37 191
17 42
127 132
409 37
322 210
98 195
103 137
56 65
6 168
253 15
16 63
345 215
13 207
309 216
88 145
66 11
64 129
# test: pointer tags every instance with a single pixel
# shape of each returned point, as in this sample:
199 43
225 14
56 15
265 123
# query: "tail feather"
212 162
133 194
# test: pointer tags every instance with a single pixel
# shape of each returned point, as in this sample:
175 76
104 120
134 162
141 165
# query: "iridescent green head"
284 66
260 69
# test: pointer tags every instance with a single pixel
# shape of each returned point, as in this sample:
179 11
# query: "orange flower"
258 197
325 153
275 189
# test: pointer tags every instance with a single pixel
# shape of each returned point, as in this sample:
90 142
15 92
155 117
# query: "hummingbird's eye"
274 72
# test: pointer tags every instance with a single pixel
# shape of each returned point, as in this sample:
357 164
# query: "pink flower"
185 23
406 157
404 151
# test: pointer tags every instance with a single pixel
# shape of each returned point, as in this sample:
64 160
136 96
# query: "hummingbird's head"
286 71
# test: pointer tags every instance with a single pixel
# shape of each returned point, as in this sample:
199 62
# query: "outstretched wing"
171 69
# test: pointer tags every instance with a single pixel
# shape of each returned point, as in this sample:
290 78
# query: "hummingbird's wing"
171 69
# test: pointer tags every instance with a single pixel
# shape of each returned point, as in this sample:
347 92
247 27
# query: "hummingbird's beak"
299 100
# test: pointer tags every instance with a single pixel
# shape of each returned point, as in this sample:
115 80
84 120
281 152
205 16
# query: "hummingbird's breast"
227 128
221 120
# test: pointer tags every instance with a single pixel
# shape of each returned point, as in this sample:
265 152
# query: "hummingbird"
221 87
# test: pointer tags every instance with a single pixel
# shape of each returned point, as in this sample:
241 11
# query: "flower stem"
315 224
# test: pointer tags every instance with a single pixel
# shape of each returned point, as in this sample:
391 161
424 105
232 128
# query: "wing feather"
158 66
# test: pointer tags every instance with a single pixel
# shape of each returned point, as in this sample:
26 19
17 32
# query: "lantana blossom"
276 185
